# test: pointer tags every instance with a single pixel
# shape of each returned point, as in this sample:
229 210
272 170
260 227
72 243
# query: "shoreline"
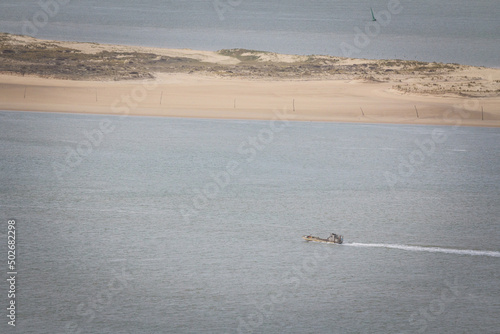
244 84
172 96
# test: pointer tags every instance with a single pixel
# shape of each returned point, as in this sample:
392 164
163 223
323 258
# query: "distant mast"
373 16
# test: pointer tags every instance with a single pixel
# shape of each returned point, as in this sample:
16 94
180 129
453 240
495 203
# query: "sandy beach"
252 85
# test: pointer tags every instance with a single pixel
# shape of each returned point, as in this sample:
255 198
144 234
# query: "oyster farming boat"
332 239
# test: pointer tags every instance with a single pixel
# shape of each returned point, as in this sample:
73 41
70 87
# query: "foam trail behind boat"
429 249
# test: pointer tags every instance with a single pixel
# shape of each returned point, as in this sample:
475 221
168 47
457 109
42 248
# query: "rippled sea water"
167 225
453 31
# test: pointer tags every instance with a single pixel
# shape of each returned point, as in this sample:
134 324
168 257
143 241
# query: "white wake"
429 249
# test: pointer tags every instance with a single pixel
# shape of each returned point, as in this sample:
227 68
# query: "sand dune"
428 94
184 95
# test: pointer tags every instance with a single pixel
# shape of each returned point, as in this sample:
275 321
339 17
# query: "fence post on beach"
362 113
161 97
482 113
293 103
25 92
416 111
96 94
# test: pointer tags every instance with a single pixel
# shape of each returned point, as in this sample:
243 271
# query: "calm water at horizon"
106 246
456 31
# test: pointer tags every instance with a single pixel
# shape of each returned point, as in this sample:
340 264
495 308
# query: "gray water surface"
107 247
454 31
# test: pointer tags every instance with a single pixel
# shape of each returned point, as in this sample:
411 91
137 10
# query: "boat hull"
316 239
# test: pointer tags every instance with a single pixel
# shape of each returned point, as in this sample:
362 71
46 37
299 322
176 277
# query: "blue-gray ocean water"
165 225
156 225
459 31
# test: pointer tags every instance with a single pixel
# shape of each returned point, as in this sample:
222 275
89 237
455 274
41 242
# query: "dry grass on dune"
21 55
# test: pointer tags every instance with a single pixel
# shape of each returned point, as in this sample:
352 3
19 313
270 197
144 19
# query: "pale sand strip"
187 95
